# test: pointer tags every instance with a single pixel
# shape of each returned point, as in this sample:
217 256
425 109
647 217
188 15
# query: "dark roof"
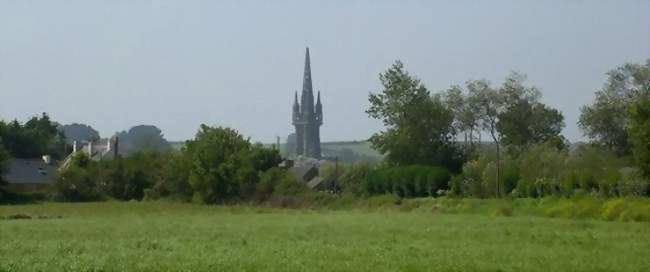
306 173
30 171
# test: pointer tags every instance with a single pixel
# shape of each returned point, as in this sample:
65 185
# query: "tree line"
527 157
472 140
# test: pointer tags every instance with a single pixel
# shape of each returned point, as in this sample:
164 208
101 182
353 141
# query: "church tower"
307 117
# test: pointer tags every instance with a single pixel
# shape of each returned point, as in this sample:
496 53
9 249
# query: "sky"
177 64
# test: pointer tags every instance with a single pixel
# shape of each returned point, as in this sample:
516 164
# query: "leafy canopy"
606 121
418 126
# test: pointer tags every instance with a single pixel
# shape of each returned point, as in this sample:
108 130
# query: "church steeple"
307 117
307 105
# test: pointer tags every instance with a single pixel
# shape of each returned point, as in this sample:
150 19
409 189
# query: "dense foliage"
37 137
219 165
122 178
407 181
545 170
418 125
606 121
639 133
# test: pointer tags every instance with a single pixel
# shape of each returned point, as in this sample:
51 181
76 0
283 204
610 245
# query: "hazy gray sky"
177 64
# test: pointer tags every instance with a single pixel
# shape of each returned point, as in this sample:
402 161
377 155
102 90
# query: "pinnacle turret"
319 110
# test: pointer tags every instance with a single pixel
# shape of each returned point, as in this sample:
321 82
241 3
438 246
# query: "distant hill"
346 151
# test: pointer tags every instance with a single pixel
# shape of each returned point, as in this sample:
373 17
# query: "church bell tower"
307 117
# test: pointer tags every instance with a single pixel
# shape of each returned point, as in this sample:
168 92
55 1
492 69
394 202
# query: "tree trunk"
496 141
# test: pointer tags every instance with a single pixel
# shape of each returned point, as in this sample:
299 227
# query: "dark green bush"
76 183
289 185
407 181
277 182
354 179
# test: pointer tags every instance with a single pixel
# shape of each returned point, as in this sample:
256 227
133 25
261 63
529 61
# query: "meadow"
445 236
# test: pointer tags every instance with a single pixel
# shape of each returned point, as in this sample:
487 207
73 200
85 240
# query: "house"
31 171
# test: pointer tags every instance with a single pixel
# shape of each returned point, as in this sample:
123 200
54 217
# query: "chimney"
90 149
116 147
74 147
108 145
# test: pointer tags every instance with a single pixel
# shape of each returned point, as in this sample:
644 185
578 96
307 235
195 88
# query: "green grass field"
159 236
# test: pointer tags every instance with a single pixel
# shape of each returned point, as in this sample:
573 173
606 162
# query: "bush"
542 167
626 209
632 186
76 183
289 185
354 179
277 182
577 208
407 181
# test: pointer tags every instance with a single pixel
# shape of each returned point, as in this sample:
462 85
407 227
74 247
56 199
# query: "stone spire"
307 105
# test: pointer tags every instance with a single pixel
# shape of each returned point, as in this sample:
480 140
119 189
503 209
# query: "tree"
494 103
606 121
142 138
264 158
418 126
79 132
37 137
524 124
4 159
466 113
220 164
639 132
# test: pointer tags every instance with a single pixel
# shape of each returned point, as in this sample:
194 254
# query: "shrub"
626 209
289 185
75 183
354 179
277 182
542 167
632 185
381 201
407 181
576 208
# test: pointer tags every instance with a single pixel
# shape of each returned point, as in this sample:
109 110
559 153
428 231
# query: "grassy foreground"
154 236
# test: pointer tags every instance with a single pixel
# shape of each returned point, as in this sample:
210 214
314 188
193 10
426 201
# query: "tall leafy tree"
606 121
491 103
524 123
37 137
639 132
418 125
494 104
220 164
466 113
